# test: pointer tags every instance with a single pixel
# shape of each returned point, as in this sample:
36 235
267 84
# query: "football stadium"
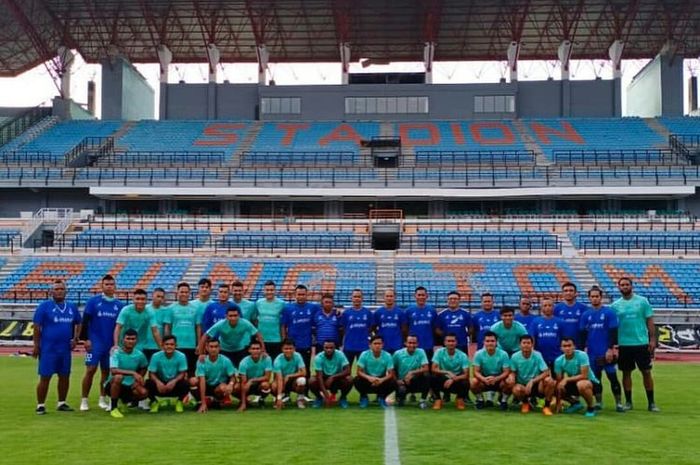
390 266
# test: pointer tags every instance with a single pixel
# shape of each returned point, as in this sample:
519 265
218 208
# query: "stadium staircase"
582 274
530 144
658 127
247 142
385 273
30 134
126 127
195 271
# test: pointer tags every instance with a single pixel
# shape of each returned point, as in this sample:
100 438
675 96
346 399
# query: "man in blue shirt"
355 323
484 319
216 311
389 321
455 320
420 320
599 336
524 317
56 330
569 311
297 319
326 323
547 332
99 319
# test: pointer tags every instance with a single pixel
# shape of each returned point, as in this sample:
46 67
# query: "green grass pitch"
348 437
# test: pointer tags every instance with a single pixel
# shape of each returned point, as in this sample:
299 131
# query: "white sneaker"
145 404
84 407
285 399
301 402
104 403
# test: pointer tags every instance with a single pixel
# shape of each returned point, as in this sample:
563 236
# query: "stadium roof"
310 30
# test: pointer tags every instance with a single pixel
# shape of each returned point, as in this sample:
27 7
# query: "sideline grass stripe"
391 438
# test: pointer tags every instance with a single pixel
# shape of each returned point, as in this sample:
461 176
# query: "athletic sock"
40 405
590 409
650 396
599 398
628 396
61 402
114 403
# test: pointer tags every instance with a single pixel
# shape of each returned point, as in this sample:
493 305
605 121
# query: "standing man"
127 369
326 323
574 377
255 373
530 377
137 317
456 320
183 314
450 373
289 375
375 373
411 368
484 319
547 332
355 324
332 375
247 307
389 321
161 315
167 375
569 311
524 316
99 320
491 370
56 332
201 302
269 311
296 321
636 337
599 335
234 335
420 320
508 332
215 311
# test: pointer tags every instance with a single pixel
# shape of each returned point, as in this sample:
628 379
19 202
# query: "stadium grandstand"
379 181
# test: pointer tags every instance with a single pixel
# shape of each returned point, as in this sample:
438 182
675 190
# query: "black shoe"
489 403
41 410
479 404
504 405
65 408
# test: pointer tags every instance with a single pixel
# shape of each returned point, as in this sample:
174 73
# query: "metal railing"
632 243
89 149
299 159
111 243
165 158
32 158
530 244
475 157
20 123
260 243
611 157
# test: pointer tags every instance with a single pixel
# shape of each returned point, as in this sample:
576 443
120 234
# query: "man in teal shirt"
234 334
332 375
247 307
161 316
255 372
127 369
411 367
450 373
636 337
508 331
574 378
491 370
183 316
530 377
201 302
268 311
216 378
289 375
375 373
167 375
137 317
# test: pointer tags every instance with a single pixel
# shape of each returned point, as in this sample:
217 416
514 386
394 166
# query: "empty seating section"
666 283
601 134
482 240
123 238
61 138
292 240
191 139
9 236
313 137
637 240
320 276
33 278
507 280
682 126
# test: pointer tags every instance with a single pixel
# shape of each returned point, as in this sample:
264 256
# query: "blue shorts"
598 365
54 363
98 356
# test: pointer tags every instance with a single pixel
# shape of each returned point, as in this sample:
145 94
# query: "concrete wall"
126 94
598 98
657 90
13 201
